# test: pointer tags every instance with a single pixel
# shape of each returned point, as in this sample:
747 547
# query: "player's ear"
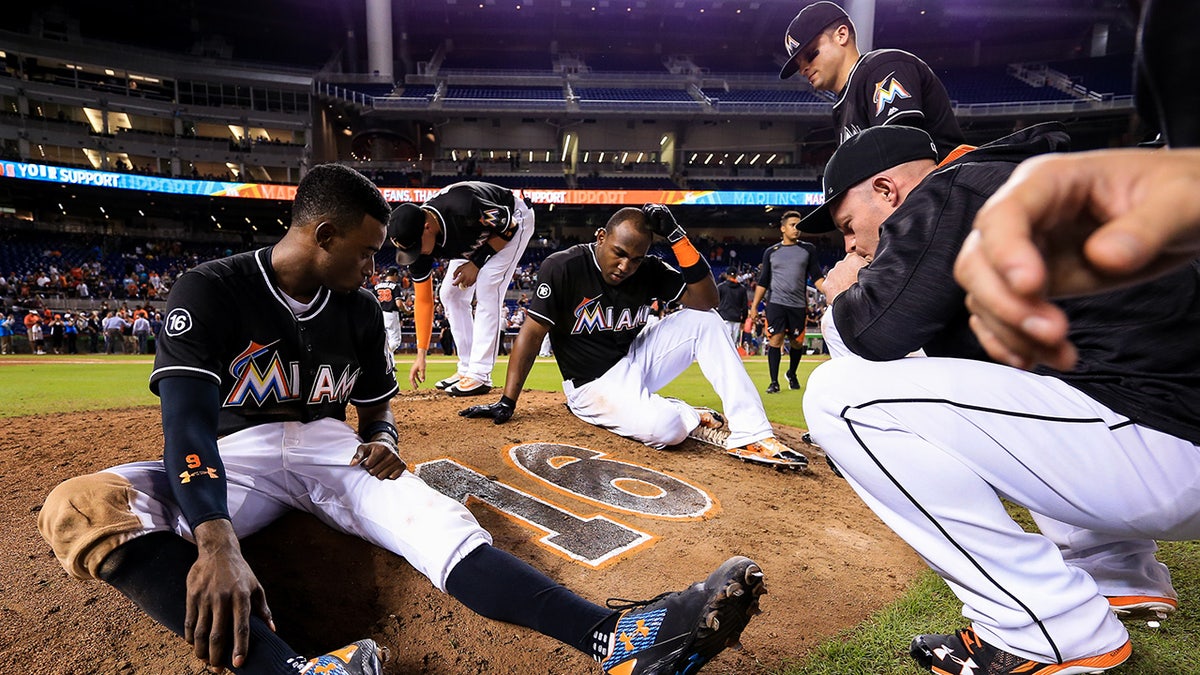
885 188
324 233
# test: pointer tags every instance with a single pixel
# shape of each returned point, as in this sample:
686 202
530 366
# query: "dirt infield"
828 561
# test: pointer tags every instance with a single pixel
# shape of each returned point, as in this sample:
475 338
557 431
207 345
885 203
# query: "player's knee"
827 393
85 518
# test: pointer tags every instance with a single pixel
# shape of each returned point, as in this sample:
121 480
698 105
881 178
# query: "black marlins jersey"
592 323
470 213
890 86
228 322
386 292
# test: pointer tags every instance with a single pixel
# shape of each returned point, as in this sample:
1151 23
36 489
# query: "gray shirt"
785 272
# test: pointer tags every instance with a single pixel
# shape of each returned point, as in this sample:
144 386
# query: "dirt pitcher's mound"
629 523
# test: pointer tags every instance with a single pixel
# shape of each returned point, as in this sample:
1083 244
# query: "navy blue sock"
774 356
152 570
794 355
498 585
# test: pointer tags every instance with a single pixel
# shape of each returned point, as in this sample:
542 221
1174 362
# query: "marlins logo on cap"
805 28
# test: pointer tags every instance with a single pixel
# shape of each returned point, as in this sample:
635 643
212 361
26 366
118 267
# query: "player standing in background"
733 305
260 354
483 229
594 299
387 291
884 86
786 269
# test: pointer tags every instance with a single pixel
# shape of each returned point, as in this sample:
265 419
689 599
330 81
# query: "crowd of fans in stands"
61 295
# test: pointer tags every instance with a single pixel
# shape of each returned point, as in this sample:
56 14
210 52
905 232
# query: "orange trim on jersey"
685 253
955 154
423 312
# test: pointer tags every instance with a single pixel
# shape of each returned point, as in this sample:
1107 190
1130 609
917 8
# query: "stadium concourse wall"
178 186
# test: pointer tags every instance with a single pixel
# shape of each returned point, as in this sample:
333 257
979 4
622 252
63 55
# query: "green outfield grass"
878 646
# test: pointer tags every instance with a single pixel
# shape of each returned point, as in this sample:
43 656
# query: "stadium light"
706 161
586 155
601 160
624 157
755 159
740 158
770 159
454 155
692 159
663 141
640 155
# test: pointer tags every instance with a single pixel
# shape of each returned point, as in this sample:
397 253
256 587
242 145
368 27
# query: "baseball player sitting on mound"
1103 454
258 358
593 300
483 229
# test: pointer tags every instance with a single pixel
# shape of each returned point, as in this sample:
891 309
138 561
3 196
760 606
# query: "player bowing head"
338 225
622 243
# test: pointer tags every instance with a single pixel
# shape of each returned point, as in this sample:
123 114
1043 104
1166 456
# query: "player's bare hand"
843 275
222 594
500 412
1074 224
380 459
416 373
465 276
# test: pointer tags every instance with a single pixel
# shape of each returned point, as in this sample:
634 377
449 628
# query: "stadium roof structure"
611 35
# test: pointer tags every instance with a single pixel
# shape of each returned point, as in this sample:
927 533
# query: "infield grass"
879 646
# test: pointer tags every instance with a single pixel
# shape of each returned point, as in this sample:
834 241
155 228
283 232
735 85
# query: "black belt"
578 382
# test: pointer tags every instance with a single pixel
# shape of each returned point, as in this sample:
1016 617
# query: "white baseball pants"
932 445
275 468
477 335
623 400
391 326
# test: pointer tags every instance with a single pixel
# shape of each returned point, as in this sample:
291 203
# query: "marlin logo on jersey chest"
258 379
591 316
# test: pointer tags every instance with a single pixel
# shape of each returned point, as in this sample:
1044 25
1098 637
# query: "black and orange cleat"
964 652
364 657
677 633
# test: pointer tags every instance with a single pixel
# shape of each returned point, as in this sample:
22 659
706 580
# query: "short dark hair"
842 22
339 195
630 214
789 214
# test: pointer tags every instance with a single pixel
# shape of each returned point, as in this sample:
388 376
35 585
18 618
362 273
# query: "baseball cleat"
449 381
677 633
773 388
710 419
1142 607
772 452
468 386
364 657
964 652
793 383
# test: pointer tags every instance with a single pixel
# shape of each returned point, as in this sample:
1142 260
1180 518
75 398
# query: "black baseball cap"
807 25
404 230
865 154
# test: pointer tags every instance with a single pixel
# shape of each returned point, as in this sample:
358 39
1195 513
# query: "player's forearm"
377 423
196 474
521 359
423 313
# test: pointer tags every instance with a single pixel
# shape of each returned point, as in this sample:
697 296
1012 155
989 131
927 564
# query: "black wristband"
482 254
381 427
504 400
697 272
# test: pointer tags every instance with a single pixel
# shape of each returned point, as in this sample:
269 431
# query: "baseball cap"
404 230
807 25
865 154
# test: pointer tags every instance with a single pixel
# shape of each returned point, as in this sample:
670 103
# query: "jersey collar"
263 257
